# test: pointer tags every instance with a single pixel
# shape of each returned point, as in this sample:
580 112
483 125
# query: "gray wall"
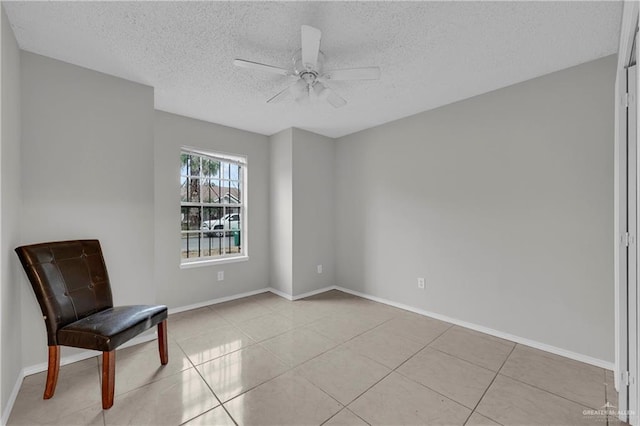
302 198
178 287
10 210
281 194
313 211
87 172
503 202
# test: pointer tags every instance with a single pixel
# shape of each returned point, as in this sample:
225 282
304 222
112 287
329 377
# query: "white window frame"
243 205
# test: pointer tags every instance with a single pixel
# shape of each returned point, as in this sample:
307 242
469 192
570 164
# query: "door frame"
627 298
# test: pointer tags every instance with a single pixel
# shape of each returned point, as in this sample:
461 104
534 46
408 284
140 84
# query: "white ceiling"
430 53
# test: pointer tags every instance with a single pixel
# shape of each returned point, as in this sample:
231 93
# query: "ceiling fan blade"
367 73
334 99
263 67
280 96
310 46
296 90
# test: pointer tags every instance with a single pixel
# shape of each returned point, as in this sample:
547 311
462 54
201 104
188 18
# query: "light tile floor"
331 359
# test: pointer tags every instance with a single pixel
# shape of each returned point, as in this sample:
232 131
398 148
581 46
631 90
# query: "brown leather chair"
71 284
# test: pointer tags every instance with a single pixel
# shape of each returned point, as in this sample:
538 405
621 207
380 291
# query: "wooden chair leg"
108 378
52 371
162 342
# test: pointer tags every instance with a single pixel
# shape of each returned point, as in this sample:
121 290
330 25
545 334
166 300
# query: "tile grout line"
212 392
549 392
490 384
344 407
393 370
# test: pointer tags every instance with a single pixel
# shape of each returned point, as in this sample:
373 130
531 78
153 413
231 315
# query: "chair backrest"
69 279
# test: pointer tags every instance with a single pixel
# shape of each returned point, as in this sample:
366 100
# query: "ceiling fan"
307 67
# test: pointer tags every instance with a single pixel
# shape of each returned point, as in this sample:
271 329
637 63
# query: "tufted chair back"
69 279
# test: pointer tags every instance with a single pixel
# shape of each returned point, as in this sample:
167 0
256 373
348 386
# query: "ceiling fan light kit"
307 68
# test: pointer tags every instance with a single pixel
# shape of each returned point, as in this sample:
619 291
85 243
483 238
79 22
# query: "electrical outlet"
220 275
421 283
319 269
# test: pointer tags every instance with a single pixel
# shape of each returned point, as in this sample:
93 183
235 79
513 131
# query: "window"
212 206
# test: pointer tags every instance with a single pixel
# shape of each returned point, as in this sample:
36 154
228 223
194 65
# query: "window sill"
213 262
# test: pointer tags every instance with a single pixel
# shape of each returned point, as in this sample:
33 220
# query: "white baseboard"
219 300
517 339
300 296
313 293
12 398
280 293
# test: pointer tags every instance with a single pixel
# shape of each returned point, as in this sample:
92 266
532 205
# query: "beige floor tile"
478 348
271 301
343 374
397 400
579 382
169 401
384 346
266 326
343 327
457 379
416 327
345 418
511 402
480 420
217 417
237 372
139 365
78 389
367 309
221 341
297 346
89 416
331 296
240 310
193 322
286 400
304 313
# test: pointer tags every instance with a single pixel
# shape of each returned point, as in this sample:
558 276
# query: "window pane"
233 194
205 193
183 188
191 245
190 190
232 241
212 222
190 218
210 191
210 167
233 217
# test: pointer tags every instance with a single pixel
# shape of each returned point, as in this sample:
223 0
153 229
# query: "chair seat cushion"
106 330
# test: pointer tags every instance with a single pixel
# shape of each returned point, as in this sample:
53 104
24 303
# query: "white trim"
225 157
627 31
213 262
12 398
517 339
216 301
313 293
628 26
280 293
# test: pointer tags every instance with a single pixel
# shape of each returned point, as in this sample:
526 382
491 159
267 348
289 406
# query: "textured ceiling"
430 53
